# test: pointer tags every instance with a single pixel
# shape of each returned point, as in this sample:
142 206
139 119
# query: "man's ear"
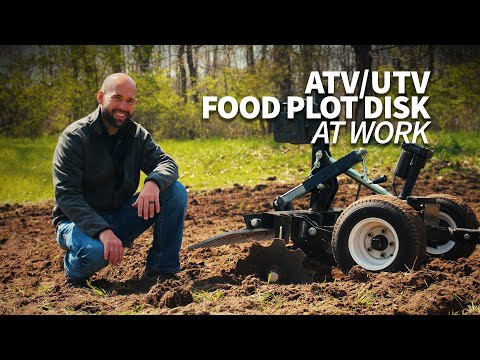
100 97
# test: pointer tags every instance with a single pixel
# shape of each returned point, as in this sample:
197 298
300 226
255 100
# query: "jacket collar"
95 121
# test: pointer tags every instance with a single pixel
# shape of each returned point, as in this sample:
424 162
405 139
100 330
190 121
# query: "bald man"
96 172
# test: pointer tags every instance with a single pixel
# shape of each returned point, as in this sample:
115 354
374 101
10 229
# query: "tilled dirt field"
32 280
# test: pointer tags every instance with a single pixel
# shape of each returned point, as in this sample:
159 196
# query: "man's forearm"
163 177
159 167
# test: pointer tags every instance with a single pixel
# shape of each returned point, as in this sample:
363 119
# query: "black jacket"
84 174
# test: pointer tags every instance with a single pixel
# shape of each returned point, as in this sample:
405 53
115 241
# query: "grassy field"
25 164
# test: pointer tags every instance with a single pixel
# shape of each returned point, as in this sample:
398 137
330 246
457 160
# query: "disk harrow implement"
381 232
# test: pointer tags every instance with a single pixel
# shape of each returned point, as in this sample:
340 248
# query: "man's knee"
176 192
90 257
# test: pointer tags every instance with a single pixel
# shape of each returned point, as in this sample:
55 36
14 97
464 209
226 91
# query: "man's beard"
108 116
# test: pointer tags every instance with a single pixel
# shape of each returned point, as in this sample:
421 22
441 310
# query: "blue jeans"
84 255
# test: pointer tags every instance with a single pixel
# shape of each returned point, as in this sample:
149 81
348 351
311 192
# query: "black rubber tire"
402 217
464 217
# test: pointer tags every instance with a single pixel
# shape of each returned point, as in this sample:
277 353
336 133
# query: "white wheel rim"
444 248
360 244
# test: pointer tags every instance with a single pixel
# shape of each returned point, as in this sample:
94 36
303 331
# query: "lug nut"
369 249
383 231
255 222
391 243
370 234
382 254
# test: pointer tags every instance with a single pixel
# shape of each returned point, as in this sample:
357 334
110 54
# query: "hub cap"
373 244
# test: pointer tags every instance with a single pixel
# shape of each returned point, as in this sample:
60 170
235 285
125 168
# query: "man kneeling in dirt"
96 171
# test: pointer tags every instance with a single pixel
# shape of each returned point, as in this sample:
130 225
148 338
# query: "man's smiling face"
117 99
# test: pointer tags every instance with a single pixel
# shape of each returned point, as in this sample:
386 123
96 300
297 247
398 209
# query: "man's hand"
148 202
113 248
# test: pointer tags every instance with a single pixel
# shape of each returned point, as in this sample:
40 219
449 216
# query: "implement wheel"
454 212
379 233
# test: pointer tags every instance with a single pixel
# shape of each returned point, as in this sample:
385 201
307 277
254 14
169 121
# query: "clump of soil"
176 297
357 273
170 294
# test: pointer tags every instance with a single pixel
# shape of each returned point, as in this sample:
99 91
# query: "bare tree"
283 66
431 58
142 55
215 59
183 73
264 53
193 73
250 58
363 60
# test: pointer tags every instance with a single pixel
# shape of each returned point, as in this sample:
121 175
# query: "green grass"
200 296
26 169
96 289
365 297
270 298
472 309
266 296
25 166
137 309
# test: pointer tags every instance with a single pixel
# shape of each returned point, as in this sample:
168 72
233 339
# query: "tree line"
44 88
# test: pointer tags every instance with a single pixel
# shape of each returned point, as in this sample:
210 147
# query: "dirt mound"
357 273
170 294
32 280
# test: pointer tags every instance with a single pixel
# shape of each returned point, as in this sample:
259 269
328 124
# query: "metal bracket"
333 170
355 175
430 214
316 164
364 166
